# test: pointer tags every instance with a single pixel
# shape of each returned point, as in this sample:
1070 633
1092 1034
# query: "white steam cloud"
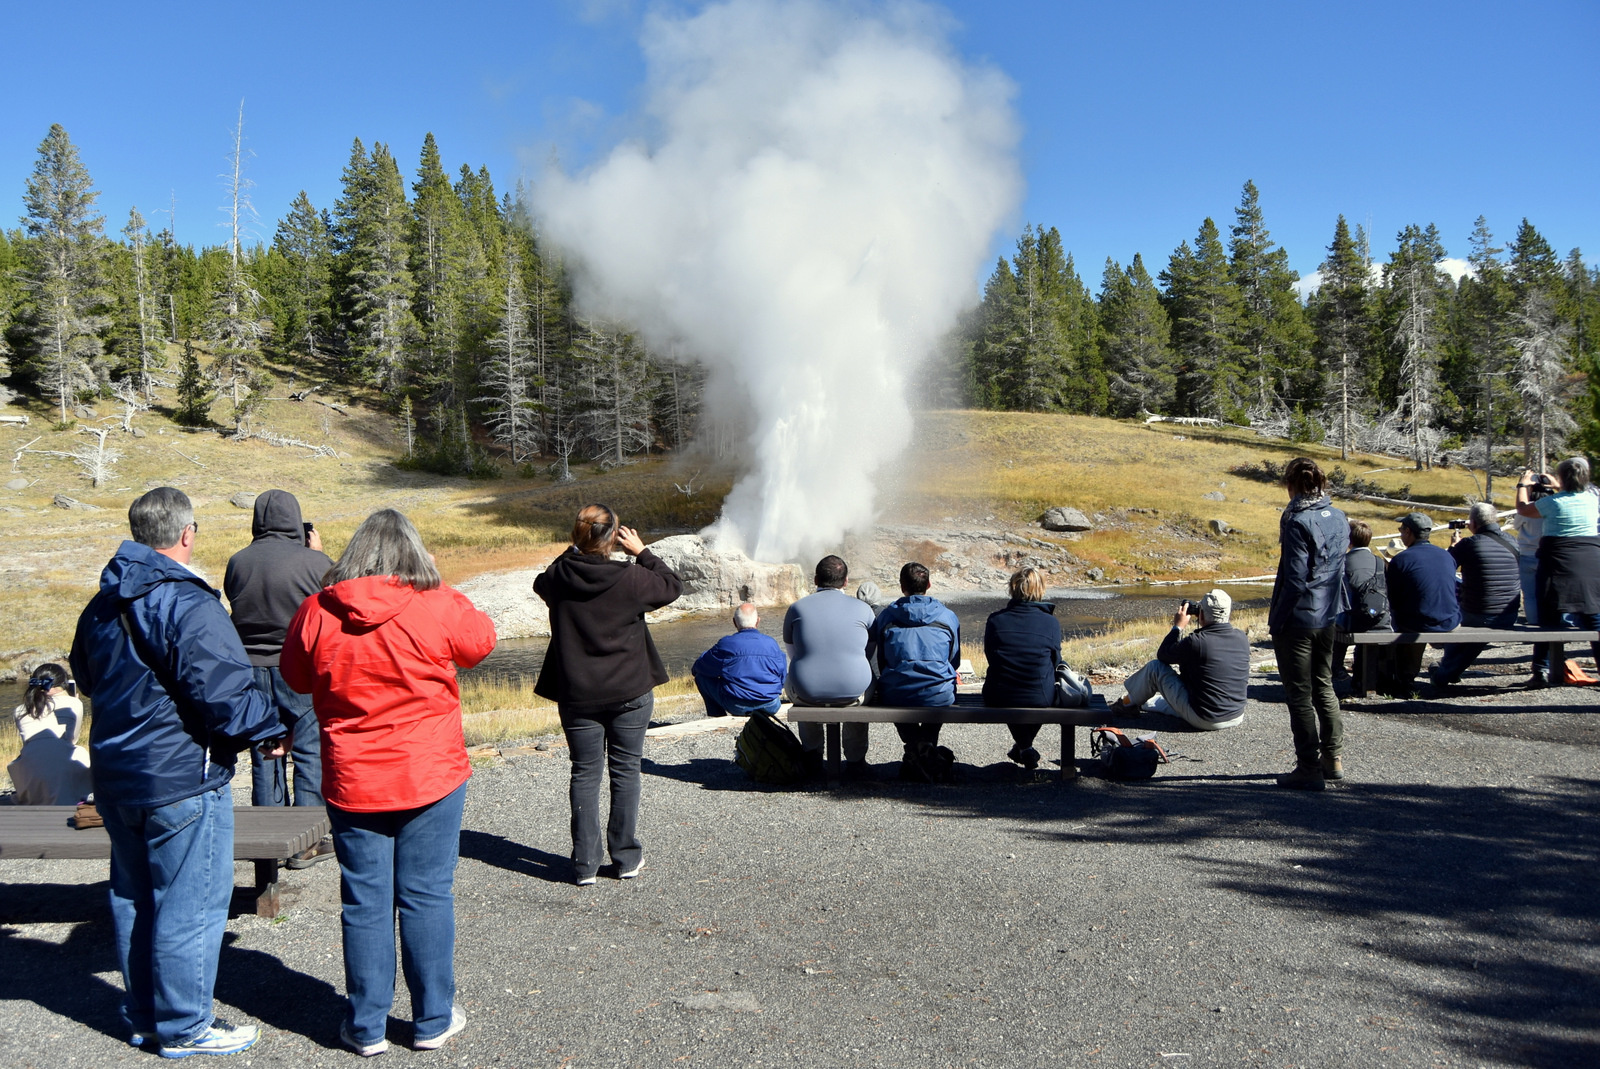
821 190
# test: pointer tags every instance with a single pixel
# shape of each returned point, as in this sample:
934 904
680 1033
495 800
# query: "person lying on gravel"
1208 689
743 673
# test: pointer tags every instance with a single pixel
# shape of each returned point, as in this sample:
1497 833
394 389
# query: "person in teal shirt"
1568 579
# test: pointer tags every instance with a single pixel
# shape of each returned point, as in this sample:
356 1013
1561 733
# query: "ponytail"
37 700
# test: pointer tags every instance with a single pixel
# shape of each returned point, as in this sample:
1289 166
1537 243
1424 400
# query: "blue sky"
1139 119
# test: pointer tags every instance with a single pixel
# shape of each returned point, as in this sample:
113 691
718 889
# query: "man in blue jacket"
1422 597
174 700
918 642
743 673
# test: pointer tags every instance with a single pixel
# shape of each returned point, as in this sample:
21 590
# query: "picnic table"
266 835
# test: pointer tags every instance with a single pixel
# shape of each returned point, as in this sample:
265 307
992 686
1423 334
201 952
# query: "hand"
629 542
314 540
273 749
1180 620
1455 537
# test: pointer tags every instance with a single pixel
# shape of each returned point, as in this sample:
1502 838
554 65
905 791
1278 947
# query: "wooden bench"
969 709
267 835
1365 675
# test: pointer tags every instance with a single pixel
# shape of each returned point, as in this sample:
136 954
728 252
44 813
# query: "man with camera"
1208 689
1491 587
1422 597
265 583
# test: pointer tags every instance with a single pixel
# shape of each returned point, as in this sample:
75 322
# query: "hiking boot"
1303 778
323 851
815 764
913 768
1332 767
458 1021
857 772
366 1050
1537 681
220 1038
1026 756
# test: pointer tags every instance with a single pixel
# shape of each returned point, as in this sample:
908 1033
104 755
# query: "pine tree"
618 412
194 390
1270 330
62 272
1414 286
508 375
10 294
1203 304
1541 339
1134 340
146 325
234 328
371 224
440 251
303 241
1340 314
1485 303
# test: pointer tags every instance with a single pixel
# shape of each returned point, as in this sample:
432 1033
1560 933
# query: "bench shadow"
61 977
1481 888
512 856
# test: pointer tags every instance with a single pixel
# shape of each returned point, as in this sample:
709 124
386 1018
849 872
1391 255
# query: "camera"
1545 484
306 535
1458 525
1189 608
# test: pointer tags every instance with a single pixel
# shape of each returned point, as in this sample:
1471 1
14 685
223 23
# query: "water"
1081 612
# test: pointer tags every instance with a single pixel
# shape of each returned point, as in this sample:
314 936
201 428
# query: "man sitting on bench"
829 639
1208 689
1491 587
1422 597
743 673
919 651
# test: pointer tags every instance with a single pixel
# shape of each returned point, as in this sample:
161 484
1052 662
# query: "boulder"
85 412
715 577
1219 527
243 500
1094 575
1062 518
17 484
509 600
62 501
1215 495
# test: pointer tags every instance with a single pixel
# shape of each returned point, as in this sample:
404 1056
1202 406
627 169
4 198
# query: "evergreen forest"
434 295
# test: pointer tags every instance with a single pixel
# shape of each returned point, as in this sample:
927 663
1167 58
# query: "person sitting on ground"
918 641
1209 688
1490 591
743 673
1366 591
1422 598
828 635
52 768
1568 579
1022 643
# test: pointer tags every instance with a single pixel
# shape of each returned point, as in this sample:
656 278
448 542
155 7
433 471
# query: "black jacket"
1214 663
1023 645
267 580
1309 590
600 649
1491 574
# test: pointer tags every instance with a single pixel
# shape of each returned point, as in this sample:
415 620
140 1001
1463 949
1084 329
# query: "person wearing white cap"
1208 688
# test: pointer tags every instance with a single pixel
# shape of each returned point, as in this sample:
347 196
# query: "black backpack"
1370 606
769 752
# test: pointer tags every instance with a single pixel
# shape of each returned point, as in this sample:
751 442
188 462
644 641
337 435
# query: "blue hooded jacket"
149 747
919 649
749 665
1309 591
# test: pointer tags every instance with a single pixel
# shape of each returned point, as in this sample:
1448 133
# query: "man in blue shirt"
918 642
743 673
1422 597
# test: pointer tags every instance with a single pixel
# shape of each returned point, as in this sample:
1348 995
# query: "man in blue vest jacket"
743 673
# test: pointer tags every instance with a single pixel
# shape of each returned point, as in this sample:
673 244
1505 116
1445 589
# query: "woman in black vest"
1023 645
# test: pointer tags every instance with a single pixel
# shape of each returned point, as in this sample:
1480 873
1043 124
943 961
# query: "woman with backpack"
1367 592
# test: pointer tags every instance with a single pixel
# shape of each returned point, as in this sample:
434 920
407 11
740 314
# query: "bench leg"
834 734
1363 679
1069 752
267 887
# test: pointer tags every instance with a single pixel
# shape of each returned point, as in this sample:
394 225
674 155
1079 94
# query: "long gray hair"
386 544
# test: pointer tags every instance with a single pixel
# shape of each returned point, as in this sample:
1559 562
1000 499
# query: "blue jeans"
1457 658
1549 657
405 862
1528 569
719 703
171 881
268 780
611 737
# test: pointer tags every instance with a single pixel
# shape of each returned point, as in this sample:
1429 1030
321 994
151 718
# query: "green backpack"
769 752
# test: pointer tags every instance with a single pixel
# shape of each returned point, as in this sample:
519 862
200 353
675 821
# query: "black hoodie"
267 580
600 650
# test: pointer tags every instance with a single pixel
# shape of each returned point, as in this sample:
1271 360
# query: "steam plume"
809 217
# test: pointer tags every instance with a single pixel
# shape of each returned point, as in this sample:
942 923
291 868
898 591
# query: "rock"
1215 495
243 500
1062 518
1219 527
17 484
718 578
62 501
84 412
11 510
509 600
724 1001
1095 575
137 432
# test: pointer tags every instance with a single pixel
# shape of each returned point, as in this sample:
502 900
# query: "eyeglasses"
196 525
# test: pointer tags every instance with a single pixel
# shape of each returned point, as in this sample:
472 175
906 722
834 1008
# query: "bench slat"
965 711
1462 635
264 833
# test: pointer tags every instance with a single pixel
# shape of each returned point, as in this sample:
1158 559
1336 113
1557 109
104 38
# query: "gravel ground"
1438 909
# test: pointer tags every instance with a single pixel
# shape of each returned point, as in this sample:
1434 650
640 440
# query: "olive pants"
1305 665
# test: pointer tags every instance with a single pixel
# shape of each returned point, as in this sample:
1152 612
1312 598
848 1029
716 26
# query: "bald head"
745 617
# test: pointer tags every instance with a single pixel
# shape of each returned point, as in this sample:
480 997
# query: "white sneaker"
631 873
366 1050
458 1021
220 1038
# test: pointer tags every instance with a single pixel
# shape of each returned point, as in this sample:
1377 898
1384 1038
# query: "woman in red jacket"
377 650
601 670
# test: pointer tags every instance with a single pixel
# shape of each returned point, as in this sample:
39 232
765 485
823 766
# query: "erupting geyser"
808 217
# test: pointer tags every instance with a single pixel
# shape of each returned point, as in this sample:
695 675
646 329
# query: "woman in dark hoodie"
1023 645
602 669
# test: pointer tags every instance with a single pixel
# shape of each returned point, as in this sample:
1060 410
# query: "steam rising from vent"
808 218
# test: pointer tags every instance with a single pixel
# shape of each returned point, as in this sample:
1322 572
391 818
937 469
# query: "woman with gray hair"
1568 579
1490 591
377 650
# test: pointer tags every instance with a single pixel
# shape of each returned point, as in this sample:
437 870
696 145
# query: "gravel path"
1439 909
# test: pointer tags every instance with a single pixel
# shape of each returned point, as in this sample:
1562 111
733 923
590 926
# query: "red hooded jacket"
376 657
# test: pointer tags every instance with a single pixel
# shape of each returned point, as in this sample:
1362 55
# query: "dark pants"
911 734
1024 734
1305 664
1548 657
720 703
1457 658
611 737
269 780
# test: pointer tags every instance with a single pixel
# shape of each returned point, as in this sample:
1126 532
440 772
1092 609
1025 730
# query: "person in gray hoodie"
265 584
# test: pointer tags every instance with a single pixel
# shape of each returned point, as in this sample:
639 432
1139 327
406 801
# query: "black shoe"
1537 681
1026 756
913 768
1304 778
857 772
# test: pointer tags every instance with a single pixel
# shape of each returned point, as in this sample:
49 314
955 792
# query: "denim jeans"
720 703
1528 569
171 881
1548 657
1162 682
1457 658
268 775
1305 664
399 862
608 738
